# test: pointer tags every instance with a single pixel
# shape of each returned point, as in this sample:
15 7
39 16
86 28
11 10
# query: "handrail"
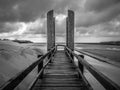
100 58
60 45
105 81
37 77
80 73
16 80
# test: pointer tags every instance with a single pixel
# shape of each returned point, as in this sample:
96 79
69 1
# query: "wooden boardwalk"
61 74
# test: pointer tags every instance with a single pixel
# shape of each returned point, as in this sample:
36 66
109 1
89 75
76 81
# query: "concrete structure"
50 30
70 30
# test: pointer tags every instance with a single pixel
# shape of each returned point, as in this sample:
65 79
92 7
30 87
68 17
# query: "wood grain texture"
60 74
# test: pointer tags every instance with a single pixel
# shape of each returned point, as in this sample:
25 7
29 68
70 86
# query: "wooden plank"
17 79
60 76
60 73
60 88
107 83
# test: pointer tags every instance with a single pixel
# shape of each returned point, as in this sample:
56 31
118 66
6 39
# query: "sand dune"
14 58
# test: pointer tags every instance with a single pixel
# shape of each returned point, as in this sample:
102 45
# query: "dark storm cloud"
39 29
25 10
89 13
99 5
107 29
81 30
61 6
7 4
2 28
32 9
98 11
6 10
29 10
8 27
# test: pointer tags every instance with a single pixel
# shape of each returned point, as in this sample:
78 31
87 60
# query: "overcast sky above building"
95 20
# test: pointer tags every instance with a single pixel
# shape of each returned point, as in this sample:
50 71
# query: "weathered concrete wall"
67 31
50 30
70 30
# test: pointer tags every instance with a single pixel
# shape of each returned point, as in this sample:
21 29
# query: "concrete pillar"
67 31
50 30
70 30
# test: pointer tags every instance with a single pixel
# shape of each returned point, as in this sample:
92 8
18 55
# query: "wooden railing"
80 70
98 57
16 80
105 81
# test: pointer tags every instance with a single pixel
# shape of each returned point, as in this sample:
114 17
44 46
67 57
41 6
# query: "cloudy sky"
95 20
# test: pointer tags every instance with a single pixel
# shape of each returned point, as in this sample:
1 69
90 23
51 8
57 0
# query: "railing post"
80 65
40 66
49 57
72 56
